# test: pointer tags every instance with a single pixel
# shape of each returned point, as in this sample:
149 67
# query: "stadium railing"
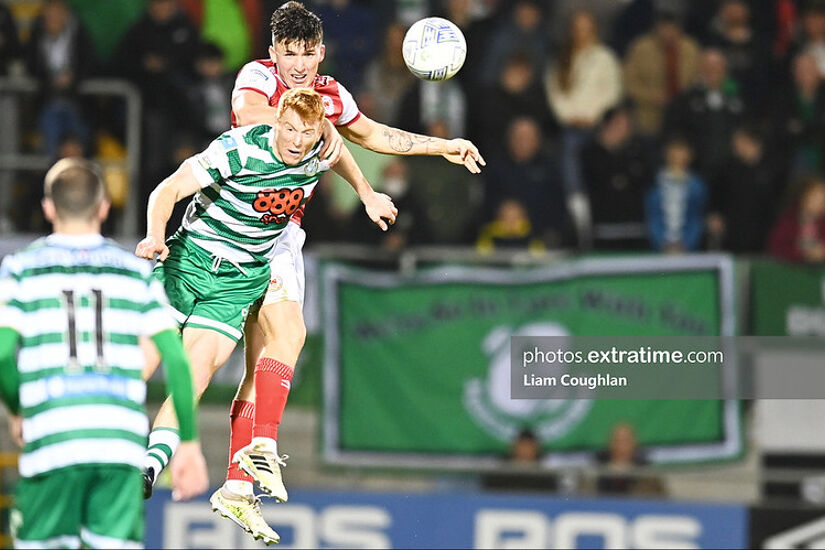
12 160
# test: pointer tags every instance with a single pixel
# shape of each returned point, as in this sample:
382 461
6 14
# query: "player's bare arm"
381 138
377 205
251 107
176 187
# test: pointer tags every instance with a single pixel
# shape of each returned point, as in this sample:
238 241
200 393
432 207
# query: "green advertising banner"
787 300
417 369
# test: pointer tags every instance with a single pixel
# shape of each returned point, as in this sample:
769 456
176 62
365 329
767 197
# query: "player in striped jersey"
274 336
73 308
247 185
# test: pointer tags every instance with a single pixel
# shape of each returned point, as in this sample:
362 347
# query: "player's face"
295 137
297 62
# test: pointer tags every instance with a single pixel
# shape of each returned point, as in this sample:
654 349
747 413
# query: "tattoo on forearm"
404 142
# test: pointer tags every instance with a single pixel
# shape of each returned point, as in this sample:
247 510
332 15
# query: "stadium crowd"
680 125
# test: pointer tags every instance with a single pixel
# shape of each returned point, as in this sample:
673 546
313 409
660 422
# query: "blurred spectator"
525 448
160 45
617 171
527 173
707 113
604 12
427 103
208 95
387 78
9 41
675 205
747 53
351 35
799 234
524 31
658 66
813 34
60 55
155 54
477 30
449 196
742 196
620 458
585 81
800 119
410 227
516 94
510 229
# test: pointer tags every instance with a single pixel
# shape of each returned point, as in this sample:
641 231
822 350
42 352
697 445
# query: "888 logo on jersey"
278 206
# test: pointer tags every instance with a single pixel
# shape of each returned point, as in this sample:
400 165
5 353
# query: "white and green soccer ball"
434 49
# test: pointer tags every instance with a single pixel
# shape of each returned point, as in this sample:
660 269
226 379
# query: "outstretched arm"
381 138
377 205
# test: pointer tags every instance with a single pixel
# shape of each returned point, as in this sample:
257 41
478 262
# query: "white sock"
163 442
243 488
265 444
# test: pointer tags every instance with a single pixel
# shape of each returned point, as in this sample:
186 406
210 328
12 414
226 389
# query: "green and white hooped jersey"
247 195
79 304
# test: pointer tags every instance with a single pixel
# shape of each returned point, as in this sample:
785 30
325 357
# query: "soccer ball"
434 49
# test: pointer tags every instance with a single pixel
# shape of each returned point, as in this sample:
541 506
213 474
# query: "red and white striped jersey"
261 76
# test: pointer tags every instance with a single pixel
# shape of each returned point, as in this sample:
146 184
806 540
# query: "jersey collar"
88 240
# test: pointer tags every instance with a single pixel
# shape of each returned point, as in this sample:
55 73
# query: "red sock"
273 380
240 434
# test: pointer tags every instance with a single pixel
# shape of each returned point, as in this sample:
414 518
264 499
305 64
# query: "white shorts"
286 283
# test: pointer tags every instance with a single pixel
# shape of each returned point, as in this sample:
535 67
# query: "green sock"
162 445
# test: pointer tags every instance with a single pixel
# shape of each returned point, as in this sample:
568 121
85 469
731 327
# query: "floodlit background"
400 425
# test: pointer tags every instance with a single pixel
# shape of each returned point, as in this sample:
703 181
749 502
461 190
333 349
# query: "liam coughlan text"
567 380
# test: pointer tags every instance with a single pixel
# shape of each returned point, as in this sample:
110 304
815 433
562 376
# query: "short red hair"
307 103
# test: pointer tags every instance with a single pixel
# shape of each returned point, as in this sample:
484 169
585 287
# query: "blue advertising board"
437 520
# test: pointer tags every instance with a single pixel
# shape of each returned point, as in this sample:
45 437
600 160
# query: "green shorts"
100 506
208 293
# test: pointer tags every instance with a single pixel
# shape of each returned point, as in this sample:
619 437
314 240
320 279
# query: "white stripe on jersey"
85 417
113 286
81 451
46 356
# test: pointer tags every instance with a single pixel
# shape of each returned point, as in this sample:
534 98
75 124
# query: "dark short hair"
76 188
293 23
209 50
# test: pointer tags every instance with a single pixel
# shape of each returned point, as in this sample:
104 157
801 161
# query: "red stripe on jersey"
299 214
353 120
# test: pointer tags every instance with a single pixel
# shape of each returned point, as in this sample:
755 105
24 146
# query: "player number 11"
71 307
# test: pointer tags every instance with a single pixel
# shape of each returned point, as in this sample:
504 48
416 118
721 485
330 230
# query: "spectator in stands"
387 78
658 67
208 95
522 31
409 229
477 30
511 229
813 37
675 205
525 448
707 113
585 81
351 35
604 12
743 195
450 198
528 173
799 114
799 234
60 55
748 54
516 93
9 41
620 458
155 54
617 171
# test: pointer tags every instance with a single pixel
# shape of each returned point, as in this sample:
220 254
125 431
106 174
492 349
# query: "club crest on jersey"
329 108
312 167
